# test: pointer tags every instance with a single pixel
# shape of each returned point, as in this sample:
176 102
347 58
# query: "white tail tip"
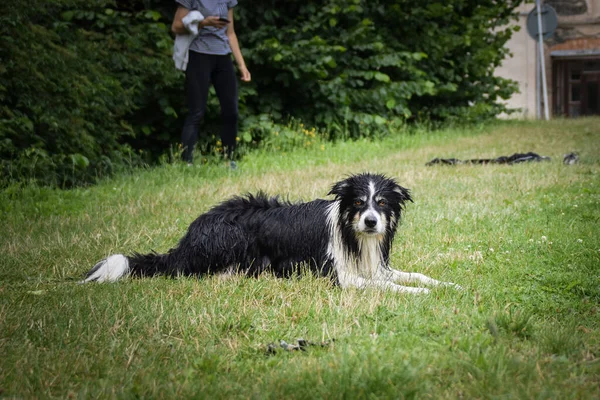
109 269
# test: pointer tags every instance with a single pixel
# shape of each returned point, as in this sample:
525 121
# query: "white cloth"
183 41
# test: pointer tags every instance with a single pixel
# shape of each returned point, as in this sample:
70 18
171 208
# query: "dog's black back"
252 234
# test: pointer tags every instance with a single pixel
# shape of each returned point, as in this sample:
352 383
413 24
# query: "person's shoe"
233 165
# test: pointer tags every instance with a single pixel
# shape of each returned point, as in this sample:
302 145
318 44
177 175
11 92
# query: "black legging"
201 71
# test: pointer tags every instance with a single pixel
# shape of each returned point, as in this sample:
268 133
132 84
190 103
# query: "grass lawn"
523 241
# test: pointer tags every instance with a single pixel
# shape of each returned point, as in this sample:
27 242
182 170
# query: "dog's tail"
117 266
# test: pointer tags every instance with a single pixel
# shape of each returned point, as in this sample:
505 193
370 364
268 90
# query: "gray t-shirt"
210 39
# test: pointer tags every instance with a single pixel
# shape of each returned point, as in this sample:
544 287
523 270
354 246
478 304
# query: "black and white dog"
348 238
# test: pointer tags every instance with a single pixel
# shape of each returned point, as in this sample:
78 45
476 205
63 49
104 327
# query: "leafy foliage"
87 88
354 65
80 86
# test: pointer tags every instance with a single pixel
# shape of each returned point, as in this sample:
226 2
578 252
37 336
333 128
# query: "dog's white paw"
450 284
455 286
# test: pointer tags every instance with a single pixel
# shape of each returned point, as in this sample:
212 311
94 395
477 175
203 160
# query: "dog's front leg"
362 283
414 277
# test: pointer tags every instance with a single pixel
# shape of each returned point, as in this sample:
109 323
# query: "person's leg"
197 83
225 83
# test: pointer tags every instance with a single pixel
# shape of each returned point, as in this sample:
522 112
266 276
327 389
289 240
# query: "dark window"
575 93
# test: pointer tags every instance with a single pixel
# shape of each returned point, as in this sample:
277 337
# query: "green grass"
522 240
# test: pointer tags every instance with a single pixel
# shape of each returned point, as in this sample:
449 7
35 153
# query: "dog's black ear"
404 193
339 188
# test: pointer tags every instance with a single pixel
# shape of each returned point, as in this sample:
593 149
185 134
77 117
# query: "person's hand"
213 21
245 74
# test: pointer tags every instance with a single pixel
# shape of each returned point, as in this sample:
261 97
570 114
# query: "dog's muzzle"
371 223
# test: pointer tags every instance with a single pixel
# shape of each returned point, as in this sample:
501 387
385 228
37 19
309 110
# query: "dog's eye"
381 203
358 203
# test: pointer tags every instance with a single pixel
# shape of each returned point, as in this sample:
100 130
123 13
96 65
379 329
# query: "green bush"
354 66
88 88
81 85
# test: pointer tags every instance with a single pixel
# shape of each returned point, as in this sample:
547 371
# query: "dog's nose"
370 222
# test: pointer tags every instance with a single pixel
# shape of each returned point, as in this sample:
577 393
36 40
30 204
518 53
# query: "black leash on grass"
516 158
